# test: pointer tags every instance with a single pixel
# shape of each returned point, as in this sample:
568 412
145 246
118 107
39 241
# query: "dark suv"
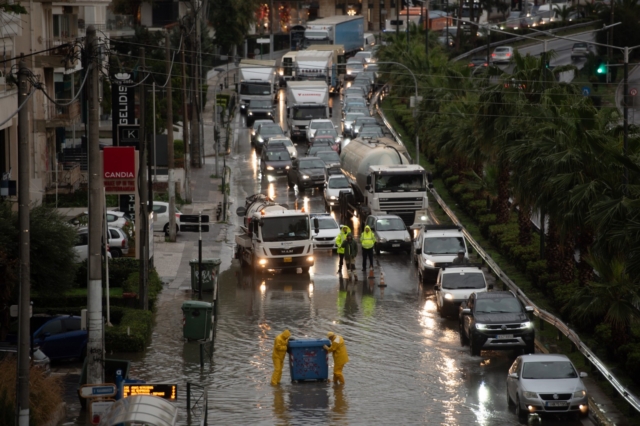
496 320
307 172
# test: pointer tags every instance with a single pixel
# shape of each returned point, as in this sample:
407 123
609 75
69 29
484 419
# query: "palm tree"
563 12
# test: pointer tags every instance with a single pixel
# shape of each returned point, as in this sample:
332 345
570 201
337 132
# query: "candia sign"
119 169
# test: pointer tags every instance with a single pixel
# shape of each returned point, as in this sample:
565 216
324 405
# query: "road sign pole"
200 256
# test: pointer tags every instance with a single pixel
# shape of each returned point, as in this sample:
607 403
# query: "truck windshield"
462 281
285 228
309 113
443 245
255 88
400 183
311 77
260 104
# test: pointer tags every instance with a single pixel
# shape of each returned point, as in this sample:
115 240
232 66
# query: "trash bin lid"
308 343
196 304
206 262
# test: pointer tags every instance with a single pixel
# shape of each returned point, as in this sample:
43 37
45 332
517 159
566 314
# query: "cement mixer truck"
273 236
384 182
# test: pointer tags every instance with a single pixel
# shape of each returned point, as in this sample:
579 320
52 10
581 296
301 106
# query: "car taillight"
493 55
124 242
508 54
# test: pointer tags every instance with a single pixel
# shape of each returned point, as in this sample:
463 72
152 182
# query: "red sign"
119 162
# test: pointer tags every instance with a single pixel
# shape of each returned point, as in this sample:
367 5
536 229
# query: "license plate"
504 336
557 404
395 245
288 259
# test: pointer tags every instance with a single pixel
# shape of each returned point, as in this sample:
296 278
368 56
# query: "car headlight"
448 296
382 240
482 326
530 395
269 167
310 259
333 197
407 239
305 176
526 325
429 263
580 394
262 262
269 113
260 139
250 113
286 167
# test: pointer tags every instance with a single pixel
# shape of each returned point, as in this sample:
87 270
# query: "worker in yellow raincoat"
341 238
279 352
340 356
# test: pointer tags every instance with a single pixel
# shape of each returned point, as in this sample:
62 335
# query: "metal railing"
631 399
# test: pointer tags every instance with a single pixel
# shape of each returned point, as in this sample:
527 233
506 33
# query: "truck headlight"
448 296
429 263
262 262
333 197
250 113
310 258
269 167
482 326
286 167
305 176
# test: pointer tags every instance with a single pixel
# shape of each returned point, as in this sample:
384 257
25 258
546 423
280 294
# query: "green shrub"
154 285
178 148
477 207
132 333
451 180
535 270
120 269
467 198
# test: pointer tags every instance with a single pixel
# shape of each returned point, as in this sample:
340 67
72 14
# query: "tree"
231 20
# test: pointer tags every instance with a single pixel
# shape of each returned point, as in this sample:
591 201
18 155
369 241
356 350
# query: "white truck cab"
436 246
454 285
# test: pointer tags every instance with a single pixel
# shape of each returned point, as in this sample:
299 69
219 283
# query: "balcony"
61 56
60 116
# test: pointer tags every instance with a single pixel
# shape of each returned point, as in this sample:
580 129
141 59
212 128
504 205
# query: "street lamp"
415 104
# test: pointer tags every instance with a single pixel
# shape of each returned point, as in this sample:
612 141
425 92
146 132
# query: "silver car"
502 55
348 120
546 383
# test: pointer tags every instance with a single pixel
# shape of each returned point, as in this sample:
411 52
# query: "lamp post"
415 104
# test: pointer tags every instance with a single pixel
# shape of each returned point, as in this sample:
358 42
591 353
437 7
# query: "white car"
161 217
391 233
257 124
81 246
455 284
118 241
114 218
329 230
366 56
436 246
288 144
335 185
314 125
546 383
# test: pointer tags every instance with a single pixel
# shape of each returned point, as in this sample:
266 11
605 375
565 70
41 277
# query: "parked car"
546 383
118 241
496 320
336 183
114 218
259 109
81 247
161 217
287 143
265 132
275 162
306 173
454 285
62 338
502 55
38 359
329 230
391 233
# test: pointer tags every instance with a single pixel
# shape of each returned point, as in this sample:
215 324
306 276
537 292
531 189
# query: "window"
501 305
548 370
159 208
114 234
82 240
72 324
393 224
52 327
443 245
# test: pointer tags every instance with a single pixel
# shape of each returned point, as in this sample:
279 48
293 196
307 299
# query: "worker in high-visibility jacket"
367 241
340 356
341 238
279 351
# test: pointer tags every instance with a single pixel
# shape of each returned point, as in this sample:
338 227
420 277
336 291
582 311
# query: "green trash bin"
197 319
210 271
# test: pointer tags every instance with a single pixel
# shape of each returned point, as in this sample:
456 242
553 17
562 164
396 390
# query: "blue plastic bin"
308 361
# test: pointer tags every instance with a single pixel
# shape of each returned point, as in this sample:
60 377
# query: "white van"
455 284
369 41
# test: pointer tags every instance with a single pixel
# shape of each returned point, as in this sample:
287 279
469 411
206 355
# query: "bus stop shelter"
141 409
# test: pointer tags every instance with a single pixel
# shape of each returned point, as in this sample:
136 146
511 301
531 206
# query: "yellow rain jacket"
367 239
340 357
342 237
279 352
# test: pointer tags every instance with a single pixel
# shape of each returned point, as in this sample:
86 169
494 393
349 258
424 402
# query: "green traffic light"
602 69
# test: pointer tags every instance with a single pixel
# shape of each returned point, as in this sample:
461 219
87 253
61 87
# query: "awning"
141 409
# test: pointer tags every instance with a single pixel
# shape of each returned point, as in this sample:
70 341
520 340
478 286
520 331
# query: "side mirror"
466 311
513 375
288 111
583 374
261 223
368 187
528 308
316 225
369 180
419 251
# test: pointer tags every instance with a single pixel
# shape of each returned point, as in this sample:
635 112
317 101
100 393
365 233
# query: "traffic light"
602 69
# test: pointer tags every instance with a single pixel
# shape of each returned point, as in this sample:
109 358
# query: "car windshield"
549 370
443 245
270 130
255 88
321 125
311 164
259 104
323 142
501 50
327 223
580 45
355 66
309 113
360 121
498 305
285 142
463 280
400 182
329 157
392 224
338 183
352 116
278 155
326 132
285 228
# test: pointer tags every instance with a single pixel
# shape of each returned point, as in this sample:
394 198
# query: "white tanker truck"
384 182
274 237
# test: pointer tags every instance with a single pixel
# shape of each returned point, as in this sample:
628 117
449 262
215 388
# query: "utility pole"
142 191
196 159
407 29
24 331
185 129
170 153
95 350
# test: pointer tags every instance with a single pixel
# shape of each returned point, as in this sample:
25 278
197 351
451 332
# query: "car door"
48 339
75 339
512 384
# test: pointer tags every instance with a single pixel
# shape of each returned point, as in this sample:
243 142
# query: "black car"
265 132
275 160
496 320
307 172
259 109
478 61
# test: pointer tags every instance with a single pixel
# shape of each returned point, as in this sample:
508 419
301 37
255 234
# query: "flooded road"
406 363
